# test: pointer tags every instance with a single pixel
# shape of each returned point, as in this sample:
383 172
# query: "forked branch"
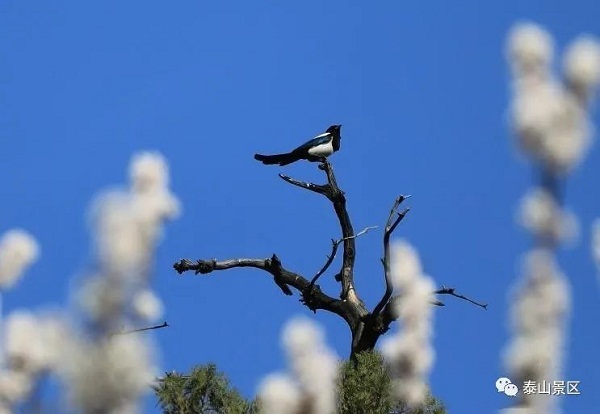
334 249
394 219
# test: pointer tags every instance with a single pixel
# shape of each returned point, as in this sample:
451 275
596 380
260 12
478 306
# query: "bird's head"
334 129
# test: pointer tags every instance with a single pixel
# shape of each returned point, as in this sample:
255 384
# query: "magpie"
317 149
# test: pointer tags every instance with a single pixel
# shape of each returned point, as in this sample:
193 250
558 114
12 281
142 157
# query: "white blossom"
122 248
313 364
32 343
518 410
543 217
279 394
103 298
15 386
120 367
314 368
148 172
18 250
551 125
128 224
540 306
550 120
22 345
582 65
147 305
5 408
530 48
409 351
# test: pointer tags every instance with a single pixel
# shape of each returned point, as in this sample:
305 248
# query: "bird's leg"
323 162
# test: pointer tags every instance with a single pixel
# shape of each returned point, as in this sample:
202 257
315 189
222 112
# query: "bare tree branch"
330 258
317 188
338 199
366 328
282 277
392 222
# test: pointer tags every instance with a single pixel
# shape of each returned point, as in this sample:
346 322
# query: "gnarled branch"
366 327
282 277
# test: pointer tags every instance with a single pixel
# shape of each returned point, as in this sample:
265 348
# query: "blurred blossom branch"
312 386
128 225
81 349
18 250
550 120
410 351
25 352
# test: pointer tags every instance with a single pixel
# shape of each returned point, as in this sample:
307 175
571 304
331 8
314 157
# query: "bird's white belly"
323 150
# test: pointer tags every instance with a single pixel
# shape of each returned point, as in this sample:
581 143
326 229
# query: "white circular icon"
501 383
505 385
511 390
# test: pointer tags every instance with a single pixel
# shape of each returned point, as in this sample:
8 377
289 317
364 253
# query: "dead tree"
366 326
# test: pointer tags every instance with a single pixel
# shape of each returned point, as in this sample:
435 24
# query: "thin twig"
451 291
317 188
162 325
335 244
334 248
360 233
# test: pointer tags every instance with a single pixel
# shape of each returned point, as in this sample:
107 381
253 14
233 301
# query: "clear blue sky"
421 89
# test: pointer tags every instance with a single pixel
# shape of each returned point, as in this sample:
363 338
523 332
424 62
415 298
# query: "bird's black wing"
318 140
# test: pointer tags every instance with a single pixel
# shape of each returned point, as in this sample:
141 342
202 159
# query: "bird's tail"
281 159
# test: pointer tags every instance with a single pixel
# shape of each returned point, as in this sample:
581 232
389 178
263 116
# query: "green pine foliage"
364 388
204 391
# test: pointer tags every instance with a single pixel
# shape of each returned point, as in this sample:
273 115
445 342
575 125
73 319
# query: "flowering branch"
551 123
